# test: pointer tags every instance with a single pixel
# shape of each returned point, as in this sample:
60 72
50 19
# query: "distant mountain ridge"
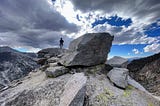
8 49
14 65
116 61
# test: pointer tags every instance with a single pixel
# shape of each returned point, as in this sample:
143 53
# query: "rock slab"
119 76
74 91
88 50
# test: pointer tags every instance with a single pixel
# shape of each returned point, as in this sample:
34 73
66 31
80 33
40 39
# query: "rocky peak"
116 61
7 49
81 79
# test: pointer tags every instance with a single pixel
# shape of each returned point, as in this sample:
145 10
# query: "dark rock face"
147 72
14 65
79 98
138 64
149 77
41 61
88 50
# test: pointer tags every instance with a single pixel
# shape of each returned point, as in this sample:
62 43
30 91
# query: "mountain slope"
147 72
116 61
14 65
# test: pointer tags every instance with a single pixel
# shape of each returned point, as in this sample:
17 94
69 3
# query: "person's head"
61 38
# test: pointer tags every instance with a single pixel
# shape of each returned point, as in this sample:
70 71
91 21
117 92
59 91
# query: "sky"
32 25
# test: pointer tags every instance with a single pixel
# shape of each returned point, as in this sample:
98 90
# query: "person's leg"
60 46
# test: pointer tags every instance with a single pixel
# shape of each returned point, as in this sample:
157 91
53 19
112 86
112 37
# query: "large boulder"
119 76
88 50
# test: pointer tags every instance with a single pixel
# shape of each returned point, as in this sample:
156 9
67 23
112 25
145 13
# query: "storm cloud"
139 9
32 23
141 12
40 23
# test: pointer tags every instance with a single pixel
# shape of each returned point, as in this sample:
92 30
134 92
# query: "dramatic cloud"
137 9
155 48
32 23
130 21
36 24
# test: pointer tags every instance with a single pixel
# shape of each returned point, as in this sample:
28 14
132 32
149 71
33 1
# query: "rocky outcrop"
50 55
88 50
116 61
73 89
36 90
146 71
50 52
14 65
119 76
101 92
77 85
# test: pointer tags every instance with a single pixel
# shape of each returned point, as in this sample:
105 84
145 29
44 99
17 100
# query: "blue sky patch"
113 20
153 29
126 50
21 49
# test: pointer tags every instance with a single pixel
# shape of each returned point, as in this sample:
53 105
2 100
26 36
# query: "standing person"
61 41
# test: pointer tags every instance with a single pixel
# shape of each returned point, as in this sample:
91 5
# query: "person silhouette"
61 41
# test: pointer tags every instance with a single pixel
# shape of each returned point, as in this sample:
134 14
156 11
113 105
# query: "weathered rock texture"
14 65
119 77
76 86
76 89
50 52
88 50
37 90
101 92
